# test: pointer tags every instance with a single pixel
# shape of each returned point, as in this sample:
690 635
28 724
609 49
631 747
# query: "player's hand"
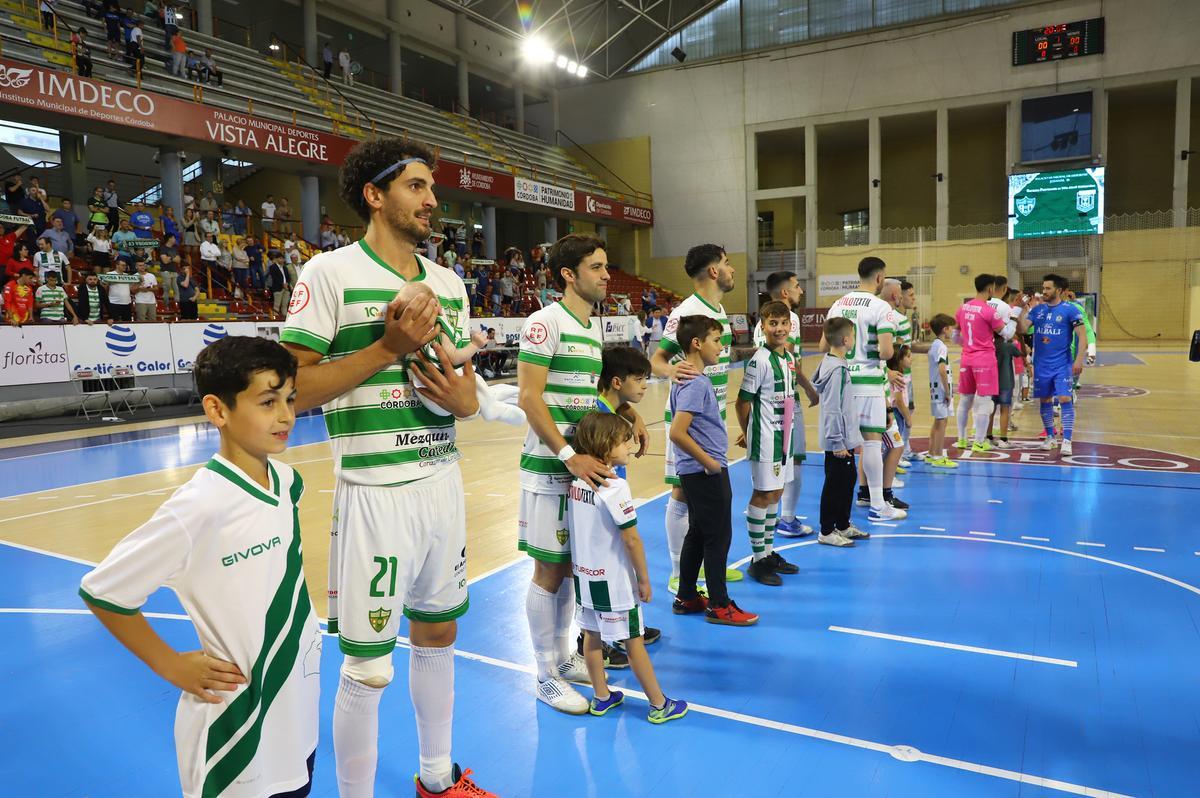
1077 367
741 440
197 673
813 397
683 371
841 453
447 389
896 379
644 591
590 470
713 468
415 327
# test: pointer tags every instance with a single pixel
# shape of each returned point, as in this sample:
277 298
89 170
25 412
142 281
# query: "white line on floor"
920 641
46 498
882 523
326 490
86 496
1030 537
909 754
1149 548
1089 543
933 529
497 495
985 534
995 501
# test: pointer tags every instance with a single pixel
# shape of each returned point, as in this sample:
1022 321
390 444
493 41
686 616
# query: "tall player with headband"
399 537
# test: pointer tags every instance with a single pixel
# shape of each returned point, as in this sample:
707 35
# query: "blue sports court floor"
1019 637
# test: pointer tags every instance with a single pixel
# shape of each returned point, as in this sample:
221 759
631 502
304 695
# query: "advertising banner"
812 320
544 194
836 284
188 339
145 348
617 329
61 92
33 354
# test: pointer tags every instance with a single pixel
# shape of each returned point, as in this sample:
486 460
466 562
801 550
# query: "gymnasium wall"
626 160
908 149
696 116
1141 149
978 166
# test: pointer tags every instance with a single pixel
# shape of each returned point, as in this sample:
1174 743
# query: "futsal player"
1058 355
399 535
978 375
874 332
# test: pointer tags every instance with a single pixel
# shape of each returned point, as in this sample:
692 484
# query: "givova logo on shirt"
253 551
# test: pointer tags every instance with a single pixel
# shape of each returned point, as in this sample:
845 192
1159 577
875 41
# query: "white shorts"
940 410
770 476
396 550
542 530
872 413
613 627
671 478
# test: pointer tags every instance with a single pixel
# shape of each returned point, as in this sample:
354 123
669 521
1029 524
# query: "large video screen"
1056 128
1056 203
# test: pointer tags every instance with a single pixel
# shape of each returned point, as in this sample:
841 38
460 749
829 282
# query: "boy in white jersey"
398 537
942 327
712 278
228 543
609 570
785 288
873 333
557 369
766 411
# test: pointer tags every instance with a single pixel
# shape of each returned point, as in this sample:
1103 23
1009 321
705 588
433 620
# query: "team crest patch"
536 333
1025 205
379 618
451 315
777 469
562 536
1085 200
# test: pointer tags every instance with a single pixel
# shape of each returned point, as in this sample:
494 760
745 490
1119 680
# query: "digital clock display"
1055 42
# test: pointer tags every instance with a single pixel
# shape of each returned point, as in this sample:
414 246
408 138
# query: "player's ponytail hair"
599 433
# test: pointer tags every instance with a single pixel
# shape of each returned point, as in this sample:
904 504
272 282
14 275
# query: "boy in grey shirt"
839 435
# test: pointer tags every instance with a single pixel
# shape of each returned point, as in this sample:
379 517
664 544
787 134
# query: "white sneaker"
897 483
562 696
574 670
905 462
1000 443
888 513
1047 444
1066 448
854 533
835 538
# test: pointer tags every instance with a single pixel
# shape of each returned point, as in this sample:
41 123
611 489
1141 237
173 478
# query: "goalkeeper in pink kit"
978 374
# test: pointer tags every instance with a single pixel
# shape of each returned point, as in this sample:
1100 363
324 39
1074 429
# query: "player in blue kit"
1055 325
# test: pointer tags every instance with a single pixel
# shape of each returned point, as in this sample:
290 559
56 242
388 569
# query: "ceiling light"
572 66
561 61
582 71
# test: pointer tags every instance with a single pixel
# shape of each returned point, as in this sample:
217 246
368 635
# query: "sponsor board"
33 354
55 91
812 322
144 348
188 339
836 284
617 329
739 324
544 194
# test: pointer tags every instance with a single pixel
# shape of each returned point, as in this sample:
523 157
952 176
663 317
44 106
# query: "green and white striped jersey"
230 549
871 315
794 337
904 335
380 432
570 350
605 580
695 305
56 296
769 385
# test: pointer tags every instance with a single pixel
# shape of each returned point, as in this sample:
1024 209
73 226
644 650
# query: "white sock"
564 614
756 522
493 408
769 530
431 686
356 737
541 608
791 496
983 414
965 403
677 527
872 463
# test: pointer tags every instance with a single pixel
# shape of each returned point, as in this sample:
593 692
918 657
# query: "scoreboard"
1055 42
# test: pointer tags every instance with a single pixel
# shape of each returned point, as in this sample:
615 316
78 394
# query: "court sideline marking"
921 641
